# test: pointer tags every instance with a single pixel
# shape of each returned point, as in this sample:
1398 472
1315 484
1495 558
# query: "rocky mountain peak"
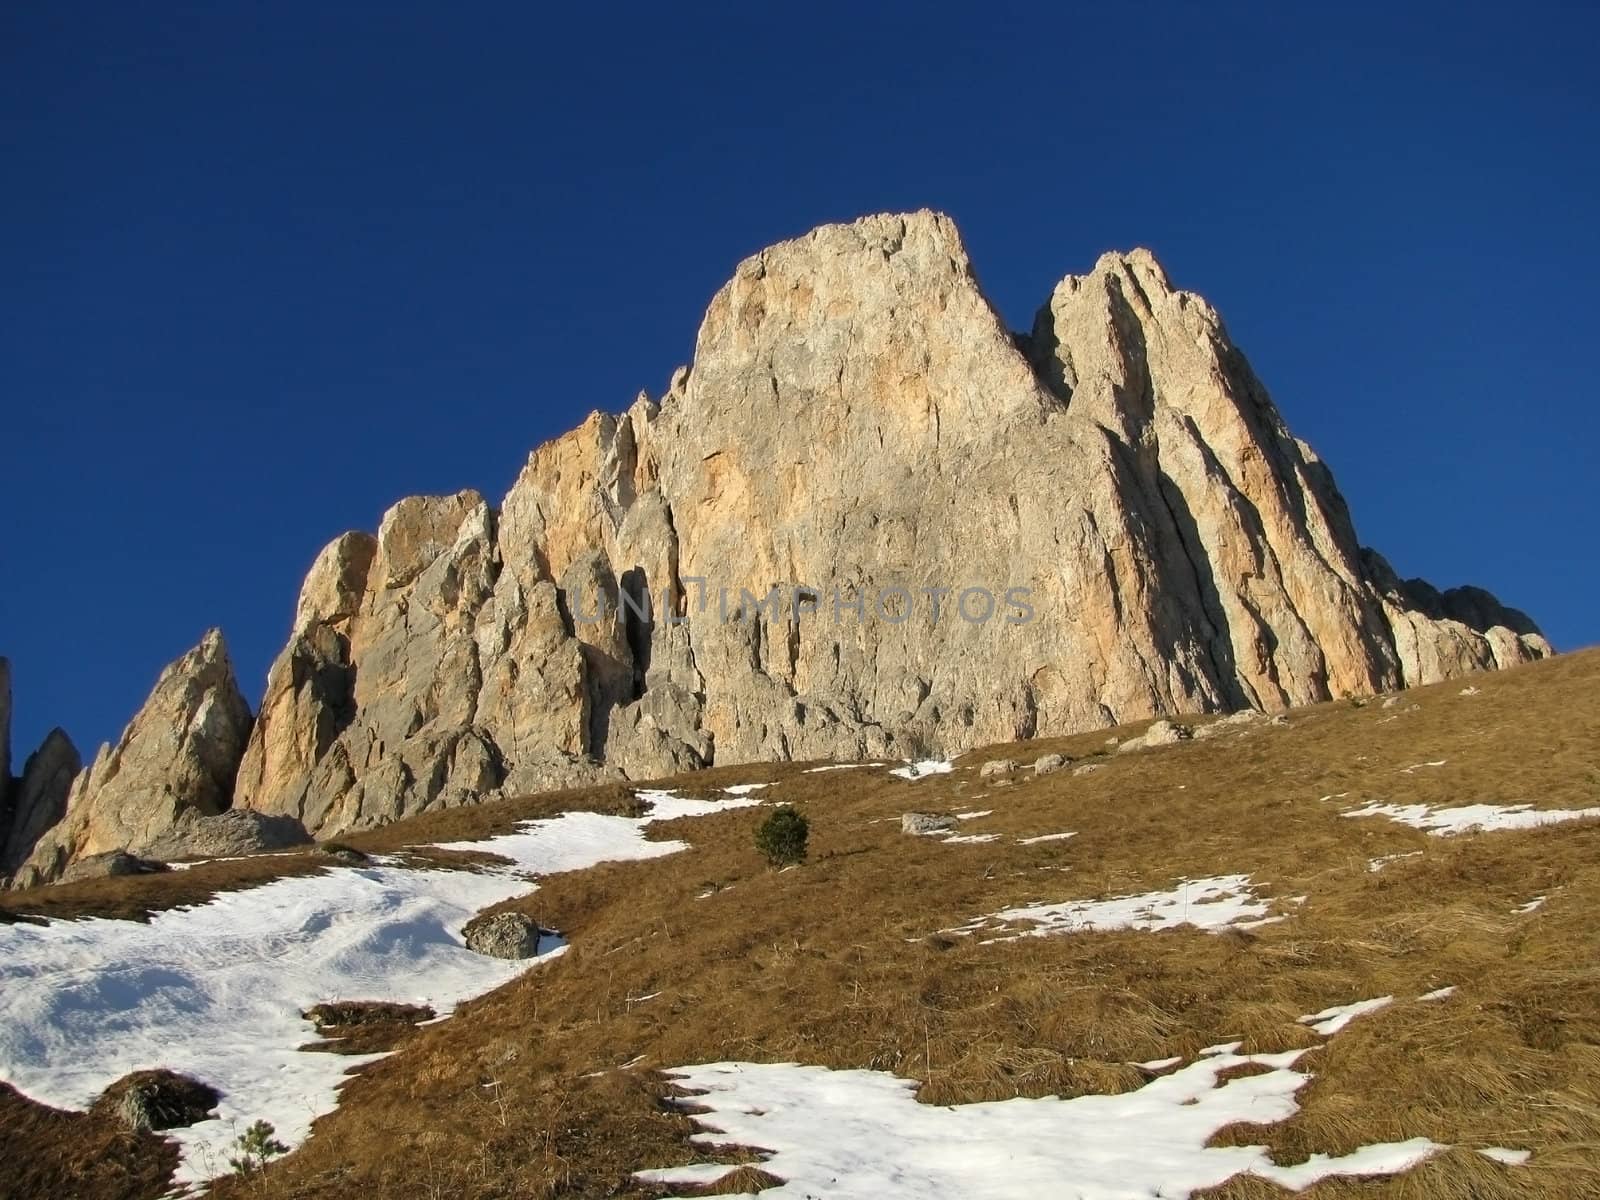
859 427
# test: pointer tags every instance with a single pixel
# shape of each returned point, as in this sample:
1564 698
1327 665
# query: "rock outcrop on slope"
32 803
180 753
868 520
38 799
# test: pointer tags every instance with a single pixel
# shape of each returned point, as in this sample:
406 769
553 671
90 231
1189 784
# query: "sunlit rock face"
179 754
1107 514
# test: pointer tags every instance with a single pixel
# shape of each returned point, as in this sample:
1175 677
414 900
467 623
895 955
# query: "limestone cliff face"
180 752
858 420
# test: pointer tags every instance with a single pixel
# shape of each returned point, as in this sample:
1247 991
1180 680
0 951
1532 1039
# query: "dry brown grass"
136 897
76 1156
840 962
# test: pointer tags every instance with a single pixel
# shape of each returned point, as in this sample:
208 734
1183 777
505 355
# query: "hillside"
1272 862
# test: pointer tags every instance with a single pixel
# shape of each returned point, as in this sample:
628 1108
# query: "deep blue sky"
264 269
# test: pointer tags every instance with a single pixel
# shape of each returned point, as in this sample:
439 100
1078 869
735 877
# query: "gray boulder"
503 935
226 835
921 823
1243 719
111 864
1162 733
1047 764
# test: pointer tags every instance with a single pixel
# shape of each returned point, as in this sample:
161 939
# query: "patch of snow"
1446 822
1331 1020
695 1174
1420 765
924 768
669 806
1378 864
972 839
1209 904
640 999
861 1135
1469 691
1511 1158
973 816
1383 1158
1161 1064
1536 903
1443 993
216 991
744 789
1046 837
840 767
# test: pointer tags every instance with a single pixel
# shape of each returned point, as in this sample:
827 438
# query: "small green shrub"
782 836
254 1147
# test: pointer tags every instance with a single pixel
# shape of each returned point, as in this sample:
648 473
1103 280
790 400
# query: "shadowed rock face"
857 418
39 798
5 734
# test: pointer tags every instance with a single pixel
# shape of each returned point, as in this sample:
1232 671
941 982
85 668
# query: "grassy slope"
833 963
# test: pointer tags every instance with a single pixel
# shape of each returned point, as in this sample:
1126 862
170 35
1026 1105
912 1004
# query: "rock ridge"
856 417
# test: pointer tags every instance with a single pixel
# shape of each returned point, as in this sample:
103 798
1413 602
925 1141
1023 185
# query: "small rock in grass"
1162 733
1278 719
339 852
1046 763
503 935
924 823
997 766
1222 725
345 1014
1086 769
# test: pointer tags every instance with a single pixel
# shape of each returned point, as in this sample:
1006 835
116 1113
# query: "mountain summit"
867 521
